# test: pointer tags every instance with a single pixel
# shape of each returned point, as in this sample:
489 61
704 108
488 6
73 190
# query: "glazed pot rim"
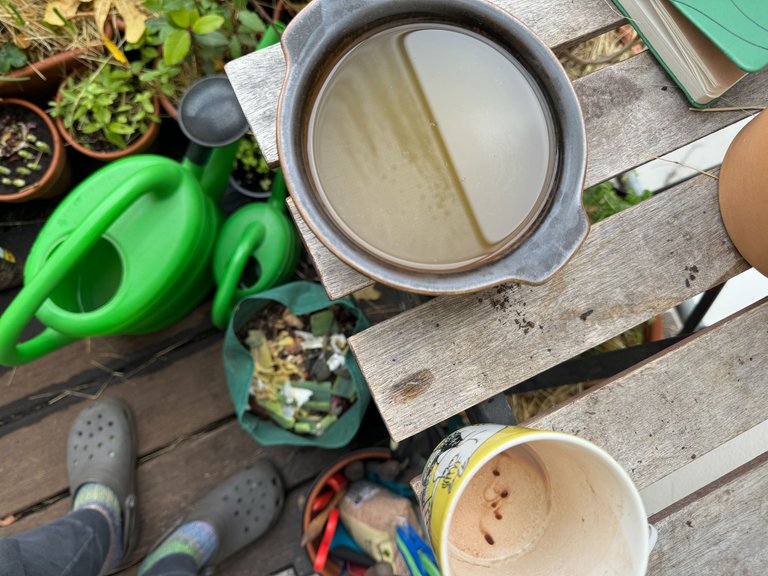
326 29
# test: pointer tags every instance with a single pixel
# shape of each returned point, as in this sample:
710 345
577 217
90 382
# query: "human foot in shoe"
101 466
231 516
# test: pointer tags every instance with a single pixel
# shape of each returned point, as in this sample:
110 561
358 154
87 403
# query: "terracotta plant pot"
332 568
56 178
168 106
43 76
743 192
138 146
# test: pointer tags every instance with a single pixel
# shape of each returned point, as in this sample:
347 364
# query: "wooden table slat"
453 352
722 532
258 77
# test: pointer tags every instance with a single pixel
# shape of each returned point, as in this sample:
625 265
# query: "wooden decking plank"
79 362
621 104
338 279
179 399
259 76
171 482
668 411
453 352
722 532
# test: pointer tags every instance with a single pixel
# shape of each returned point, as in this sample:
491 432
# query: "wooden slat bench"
451 353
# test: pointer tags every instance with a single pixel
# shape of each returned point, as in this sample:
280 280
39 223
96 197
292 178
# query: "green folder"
738 27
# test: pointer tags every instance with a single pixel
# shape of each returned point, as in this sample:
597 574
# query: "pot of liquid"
435 146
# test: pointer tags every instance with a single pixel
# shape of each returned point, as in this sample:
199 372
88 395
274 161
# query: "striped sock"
100 498
197 539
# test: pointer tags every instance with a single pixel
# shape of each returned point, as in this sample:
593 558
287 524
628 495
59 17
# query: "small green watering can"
129 250
258 248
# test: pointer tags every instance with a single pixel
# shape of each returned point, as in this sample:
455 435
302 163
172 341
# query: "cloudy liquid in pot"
431 147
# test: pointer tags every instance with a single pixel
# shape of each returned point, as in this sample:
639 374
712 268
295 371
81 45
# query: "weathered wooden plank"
679 404
338 279
195 466
722 532
258 77
89 360
631 118
179 399
453 352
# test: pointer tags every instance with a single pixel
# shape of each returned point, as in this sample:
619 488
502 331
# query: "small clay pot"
142 144
332 568
743 189
43 76
56 179
168 106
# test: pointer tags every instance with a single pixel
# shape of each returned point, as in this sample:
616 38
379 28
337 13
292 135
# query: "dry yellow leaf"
130 10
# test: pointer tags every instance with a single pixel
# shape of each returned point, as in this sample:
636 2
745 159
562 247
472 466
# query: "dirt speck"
413 385
488 538
586 315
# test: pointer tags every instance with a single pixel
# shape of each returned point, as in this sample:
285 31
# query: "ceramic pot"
325 31
56 179
44 76
138 146
743 190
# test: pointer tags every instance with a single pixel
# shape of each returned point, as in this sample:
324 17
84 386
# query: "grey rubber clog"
101 448
241 509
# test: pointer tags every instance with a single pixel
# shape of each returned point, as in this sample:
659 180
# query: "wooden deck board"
170 482
180 398
722 532
453 352
89 360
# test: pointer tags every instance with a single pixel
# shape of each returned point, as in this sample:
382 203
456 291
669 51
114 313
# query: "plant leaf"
180 17
119 128
67 8
212 40
176 46
251 21
208 24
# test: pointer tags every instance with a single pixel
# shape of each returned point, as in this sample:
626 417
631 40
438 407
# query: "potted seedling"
251 176
106 114
196 38
32 159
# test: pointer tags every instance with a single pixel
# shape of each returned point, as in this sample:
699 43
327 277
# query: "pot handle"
223 301
307 31
64 258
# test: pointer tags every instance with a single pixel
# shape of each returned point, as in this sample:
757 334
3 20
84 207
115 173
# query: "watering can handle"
67 255
223 301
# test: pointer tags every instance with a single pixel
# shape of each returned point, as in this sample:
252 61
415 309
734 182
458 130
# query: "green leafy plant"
196 37
251 166
109 105
11 58
604 200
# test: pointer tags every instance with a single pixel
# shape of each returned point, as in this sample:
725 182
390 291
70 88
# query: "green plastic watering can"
258 248
129 250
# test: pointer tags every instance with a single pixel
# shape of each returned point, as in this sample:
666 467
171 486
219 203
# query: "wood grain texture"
179 399
720 533
258 77
195 466
678 405
88 360
453 352
632 113
338 279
